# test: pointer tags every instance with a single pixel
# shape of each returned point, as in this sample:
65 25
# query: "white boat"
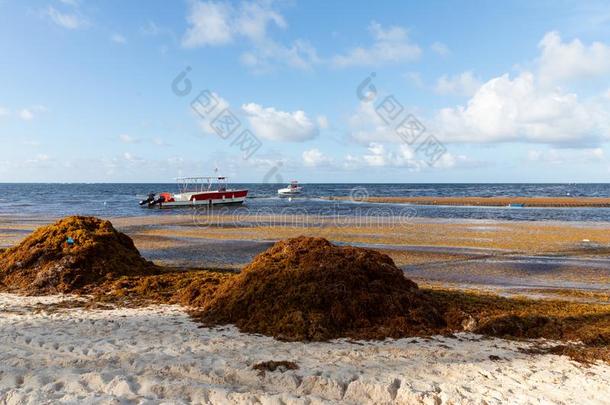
197 191
291 190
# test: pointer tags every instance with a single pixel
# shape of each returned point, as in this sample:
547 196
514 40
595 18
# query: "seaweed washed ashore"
549 202
300 289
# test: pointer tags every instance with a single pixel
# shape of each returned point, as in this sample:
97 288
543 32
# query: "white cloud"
391 45
405 157
571 60
315 158
132 159
219 23
519 109
463 84
365 126
440 49
322 122
71 21
128 139
378 156
26 114
254 18
451 161
209 24
566 156
160 142
532 106
276 125
125 138
118 38
265 54
39 160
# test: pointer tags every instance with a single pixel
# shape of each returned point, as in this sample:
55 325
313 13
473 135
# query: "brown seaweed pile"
69 256
300 289
188 287
309 289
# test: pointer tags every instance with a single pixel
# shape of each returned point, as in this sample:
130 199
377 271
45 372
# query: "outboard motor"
151 198
155 202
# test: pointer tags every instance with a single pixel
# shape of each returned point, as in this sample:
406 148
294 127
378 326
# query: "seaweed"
309 289
69 256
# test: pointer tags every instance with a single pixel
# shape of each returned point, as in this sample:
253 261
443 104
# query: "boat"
292 189
197 191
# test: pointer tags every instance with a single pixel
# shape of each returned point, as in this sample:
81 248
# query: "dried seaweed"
69 256
309 289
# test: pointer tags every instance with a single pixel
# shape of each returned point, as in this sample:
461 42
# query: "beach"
57 349
501 256
159 355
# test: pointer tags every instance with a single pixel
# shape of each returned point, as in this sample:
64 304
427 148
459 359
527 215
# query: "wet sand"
504 257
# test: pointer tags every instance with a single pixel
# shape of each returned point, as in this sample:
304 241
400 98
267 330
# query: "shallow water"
116 200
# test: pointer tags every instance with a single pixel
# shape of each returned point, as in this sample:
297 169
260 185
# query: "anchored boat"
291 190
197 191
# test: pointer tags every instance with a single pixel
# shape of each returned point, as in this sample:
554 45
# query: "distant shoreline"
548 202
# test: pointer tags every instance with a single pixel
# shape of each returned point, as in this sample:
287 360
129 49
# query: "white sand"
157 355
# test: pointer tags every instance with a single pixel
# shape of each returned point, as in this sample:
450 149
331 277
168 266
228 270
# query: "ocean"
120 200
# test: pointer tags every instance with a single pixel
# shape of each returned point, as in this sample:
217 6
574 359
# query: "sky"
318 91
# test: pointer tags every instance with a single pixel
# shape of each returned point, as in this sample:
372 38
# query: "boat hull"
289 191
212 198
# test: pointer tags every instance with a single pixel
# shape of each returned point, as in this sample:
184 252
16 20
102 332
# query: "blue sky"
507 92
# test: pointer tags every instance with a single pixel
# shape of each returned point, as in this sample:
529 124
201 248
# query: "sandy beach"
54 349
159 355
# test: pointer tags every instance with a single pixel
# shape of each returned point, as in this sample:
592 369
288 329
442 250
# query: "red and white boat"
197 191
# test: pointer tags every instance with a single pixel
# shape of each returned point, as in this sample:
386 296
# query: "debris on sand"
70 255
272 365
188 287
300 289
309 289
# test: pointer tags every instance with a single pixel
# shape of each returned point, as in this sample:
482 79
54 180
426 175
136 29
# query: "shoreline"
534 202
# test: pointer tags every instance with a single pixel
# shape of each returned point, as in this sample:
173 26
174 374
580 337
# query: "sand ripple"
157 355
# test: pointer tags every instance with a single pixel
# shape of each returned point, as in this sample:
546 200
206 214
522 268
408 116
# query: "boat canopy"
200 183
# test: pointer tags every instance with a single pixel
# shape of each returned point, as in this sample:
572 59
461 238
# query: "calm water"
111 200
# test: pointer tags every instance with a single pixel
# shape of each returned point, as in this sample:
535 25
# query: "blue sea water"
116 200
